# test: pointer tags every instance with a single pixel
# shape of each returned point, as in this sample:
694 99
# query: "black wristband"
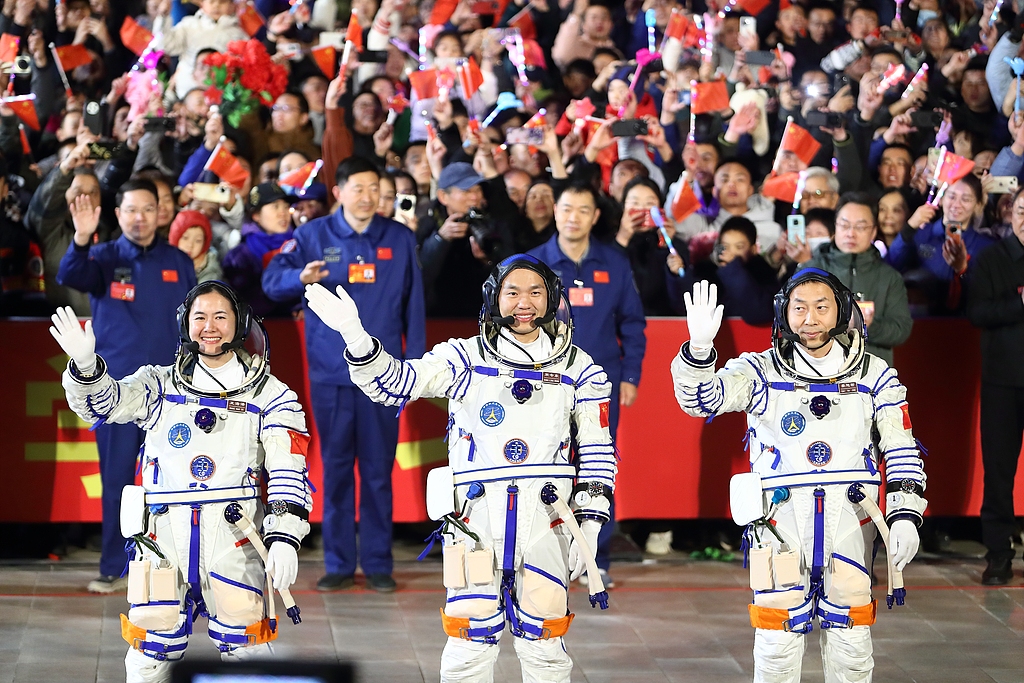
904 486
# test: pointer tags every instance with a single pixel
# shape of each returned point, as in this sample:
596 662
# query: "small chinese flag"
26 148
300 178
676 25
73 56
800 142
24 107
424 83
709 97
753 7
954 168
326 57
524 22
226 167
135 37
354 34
536 121
443 11
9 47
470 77
249 19
685 203
781 187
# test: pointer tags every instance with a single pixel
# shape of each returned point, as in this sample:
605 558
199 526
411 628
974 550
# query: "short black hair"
977 63
826 217
579 188
861 199
135 185
405 175
446 34
153 175
303 104
646 182
353 166
608 52
282 155
739 224
972 181
864 8
584 67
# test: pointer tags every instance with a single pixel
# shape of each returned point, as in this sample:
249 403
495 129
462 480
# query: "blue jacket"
389 308
143 330
612 330
926 250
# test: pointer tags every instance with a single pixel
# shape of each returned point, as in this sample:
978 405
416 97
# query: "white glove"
904 542
703 315
340 313
577 561
282 564
78 343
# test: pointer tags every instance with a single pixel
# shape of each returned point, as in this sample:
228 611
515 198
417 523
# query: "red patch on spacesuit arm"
300 442
604 407
906 416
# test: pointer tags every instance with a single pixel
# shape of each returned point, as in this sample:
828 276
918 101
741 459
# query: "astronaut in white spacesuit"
217 423
520 396
821 415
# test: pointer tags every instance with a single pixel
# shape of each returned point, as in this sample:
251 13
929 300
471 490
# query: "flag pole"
782 145
60 70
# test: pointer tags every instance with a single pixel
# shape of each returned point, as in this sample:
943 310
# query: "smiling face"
894 168
524 296
958 204
211 322
275 218
812 313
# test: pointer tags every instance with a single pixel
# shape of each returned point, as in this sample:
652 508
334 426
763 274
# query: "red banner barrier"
672 465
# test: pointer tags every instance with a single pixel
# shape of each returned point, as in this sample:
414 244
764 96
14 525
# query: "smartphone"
826 119
373 56
405 208
290 50
839 81
925 118
889 35
796 229
524 136
953 228
106 150
160 124
95 117
335 38
748 26
761 58
209 192
629 128
1003 184
648 220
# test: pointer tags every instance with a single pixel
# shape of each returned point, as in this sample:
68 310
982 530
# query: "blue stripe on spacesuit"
538 570
818 551
470 596
848 561
208 402
889 375
533 375
508 562
890 405
815 388
236 584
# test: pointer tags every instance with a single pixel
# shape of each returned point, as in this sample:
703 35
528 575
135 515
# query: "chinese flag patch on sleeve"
906 416
604 407
300 442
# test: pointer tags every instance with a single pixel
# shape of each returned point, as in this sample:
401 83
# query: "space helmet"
850 331
556 322
250 343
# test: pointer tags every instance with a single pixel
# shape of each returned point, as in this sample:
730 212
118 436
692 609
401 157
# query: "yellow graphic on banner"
93 487
62 451
413 454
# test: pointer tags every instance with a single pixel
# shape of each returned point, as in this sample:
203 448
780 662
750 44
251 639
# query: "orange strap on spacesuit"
458 627
774 619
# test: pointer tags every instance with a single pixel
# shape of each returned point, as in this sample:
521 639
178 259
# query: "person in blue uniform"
374 259
135 284
606 307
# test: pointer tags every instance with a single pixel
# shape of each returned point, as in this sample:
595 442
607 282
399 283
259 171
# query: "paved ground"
672 619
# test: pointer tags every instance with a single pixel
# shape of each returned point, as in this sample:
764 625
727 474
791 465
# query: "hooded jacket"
871 279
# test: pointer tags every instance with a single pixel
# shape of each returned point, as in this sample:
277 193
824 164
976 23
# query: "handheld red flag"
354 33
24 107
470 77
524 22
424 83
225 166
26 148
686 201
135 37
249 19
709 97
782 187
73 56
443 11
326 57
954 168
753 7
300 178
798 141
676 25
9 46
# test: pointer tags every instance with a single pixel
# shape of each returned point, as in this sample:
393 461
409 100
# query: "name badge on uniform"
581 296
332 254
170 275
362 273
122 291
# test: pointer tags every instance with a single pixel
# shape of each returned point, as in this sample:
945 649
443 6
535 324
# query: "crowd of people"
731 142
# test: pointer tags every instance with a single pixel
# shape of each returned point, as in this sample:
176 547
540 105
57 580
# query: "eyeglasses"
861 226
283 107
816 194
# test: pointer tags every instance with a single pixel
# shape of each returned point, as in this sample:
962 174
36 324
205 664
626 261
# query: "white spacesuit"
516 406
214 432
821 414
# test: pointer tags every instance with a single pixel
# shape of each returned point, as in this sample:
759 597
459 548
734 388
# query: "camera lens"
405 204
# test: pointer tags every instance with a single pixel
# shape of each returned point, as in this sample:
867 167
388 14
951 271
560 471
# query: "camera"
21 65
480 228
160 124
405 202
628 128
827 119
